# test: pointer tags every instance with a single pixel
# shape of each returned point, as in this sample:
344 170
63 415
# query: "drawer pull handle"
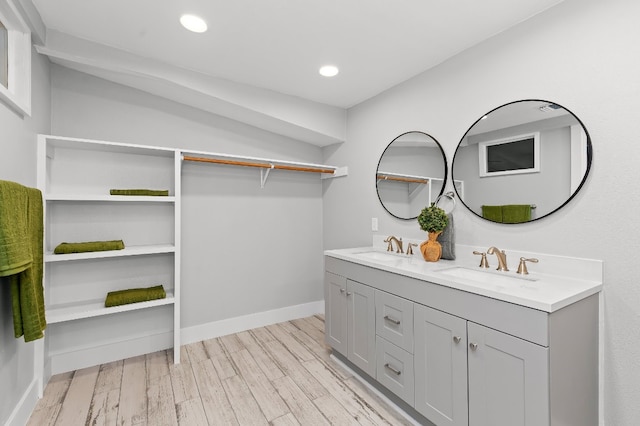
457 339
342 290
393 320
473 346
393 370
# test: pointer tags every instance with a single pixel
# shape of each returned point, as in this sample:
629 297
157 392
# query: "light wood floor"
275 375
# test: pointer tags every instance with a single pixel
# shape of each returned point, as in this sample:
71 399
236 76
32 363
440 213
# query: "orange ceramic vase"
431 249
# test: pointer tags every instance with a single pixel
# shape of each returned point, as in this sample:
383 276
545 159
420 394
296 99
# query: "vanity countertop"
542 291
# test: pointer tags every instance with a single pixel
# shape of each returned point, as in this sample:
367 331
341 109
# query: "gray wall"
245 249
18 164
581 54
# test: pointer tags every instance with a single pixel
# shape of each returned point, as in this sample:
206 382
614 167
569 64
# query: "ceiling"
280 44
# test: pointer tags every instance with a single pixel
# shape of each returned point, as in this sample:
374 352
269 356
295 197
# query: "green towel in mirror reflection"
508 213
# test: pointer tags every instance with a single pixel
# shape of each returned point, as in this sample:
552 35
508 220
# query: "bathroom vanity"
457 345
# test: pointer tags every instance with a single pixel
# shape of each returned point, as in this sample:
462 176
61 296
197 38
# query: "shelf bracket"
338 172
264 174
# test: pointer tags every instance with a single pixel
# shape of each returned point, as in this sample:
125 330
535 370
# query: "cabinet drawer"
394 320
394 369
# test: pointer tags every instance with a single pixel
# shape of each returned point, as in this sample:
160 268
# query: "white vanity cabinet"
468 359
350 328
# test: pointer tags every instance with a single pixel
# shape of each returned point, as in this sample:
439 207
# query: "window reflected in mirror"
411 173
522 161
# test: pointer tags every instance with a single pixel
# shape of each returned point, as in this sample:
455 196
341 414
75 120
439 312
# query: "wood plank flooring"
275 375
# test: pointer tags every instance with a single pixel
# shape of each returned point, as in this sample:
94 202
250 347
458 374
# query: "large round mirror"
522 161
411 174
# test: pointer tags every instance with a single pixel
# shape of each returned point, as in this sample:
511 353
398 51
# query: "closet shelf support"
264 174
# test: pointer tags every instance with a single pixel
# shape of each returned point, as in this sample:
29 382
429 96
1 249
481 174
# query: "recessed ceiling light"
329 71
193 23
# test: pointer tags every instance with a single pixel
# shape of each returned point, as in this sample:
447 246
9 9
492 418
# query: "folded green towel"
516 213
134 295
21 232
66 248
151 192
493 213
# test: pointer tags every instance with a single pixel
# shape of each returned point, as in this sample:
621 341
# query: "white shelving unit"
75 176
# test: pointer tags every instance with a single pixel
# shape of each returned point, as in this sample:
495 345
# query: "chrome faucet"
390 239
501 256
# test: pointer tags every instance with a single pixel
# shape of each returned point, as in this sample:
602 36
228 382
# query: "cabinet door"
335 317
440 366
361 346
508 380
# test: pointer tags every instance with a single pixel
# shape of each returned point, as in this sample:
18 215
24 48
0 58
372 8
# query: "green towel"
66 248
151 192
134 295
516 213
493 213
21 232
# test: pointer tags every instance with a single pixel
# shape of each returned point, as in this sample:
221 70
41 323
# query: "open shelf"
110 198
96 308
127 251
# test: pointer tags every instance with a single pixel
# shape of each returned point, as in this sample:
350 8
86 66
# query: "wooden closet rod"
261 165
402 179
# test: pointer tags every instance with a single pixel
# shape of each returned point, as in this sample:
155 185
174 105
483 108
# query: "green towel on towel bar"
66 248
493 213
150 192
134 295
516 213
21 232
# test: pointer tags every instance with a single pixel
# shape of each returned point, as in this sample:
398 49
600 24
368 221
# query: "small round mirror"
411 174
522 161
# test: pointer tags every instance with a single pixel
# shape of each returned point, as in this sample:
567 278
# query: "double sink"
480 276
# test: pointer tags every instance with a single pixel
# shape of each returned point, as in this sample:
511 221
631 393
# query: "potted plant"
433 220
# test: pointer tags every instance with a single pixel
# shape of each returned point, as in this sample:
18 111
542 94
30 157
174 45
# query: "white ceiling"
280 44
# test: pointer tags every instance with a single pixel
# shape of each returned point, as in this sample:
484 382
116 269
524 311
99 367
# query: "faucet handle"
390 241
410 249
483 261
522 267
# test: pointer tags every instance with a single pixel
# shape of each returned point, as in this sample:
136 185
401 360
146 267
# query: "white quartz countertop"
542 291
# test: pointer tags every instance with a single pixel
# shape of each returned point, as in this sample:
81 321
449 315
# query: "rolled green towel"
134 295
150 192
66 248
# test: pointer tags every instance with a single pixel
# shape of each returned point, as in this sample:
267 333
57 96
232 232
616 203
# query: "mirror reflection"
412 172
522 161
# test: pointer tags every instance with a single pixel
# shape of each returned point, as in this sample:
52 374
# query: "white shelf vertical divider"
177 185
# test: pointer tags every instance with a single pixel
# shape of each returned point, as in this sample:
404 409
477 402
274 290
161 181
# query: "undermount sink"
378 256
485 276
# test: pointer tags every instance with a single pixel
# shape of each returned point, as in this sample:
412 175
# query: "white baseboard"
22 411
113 351
109 352
247 322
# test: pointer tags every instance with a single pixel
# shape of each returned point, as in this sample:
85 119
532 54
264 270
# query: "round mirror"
411 174
522 161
